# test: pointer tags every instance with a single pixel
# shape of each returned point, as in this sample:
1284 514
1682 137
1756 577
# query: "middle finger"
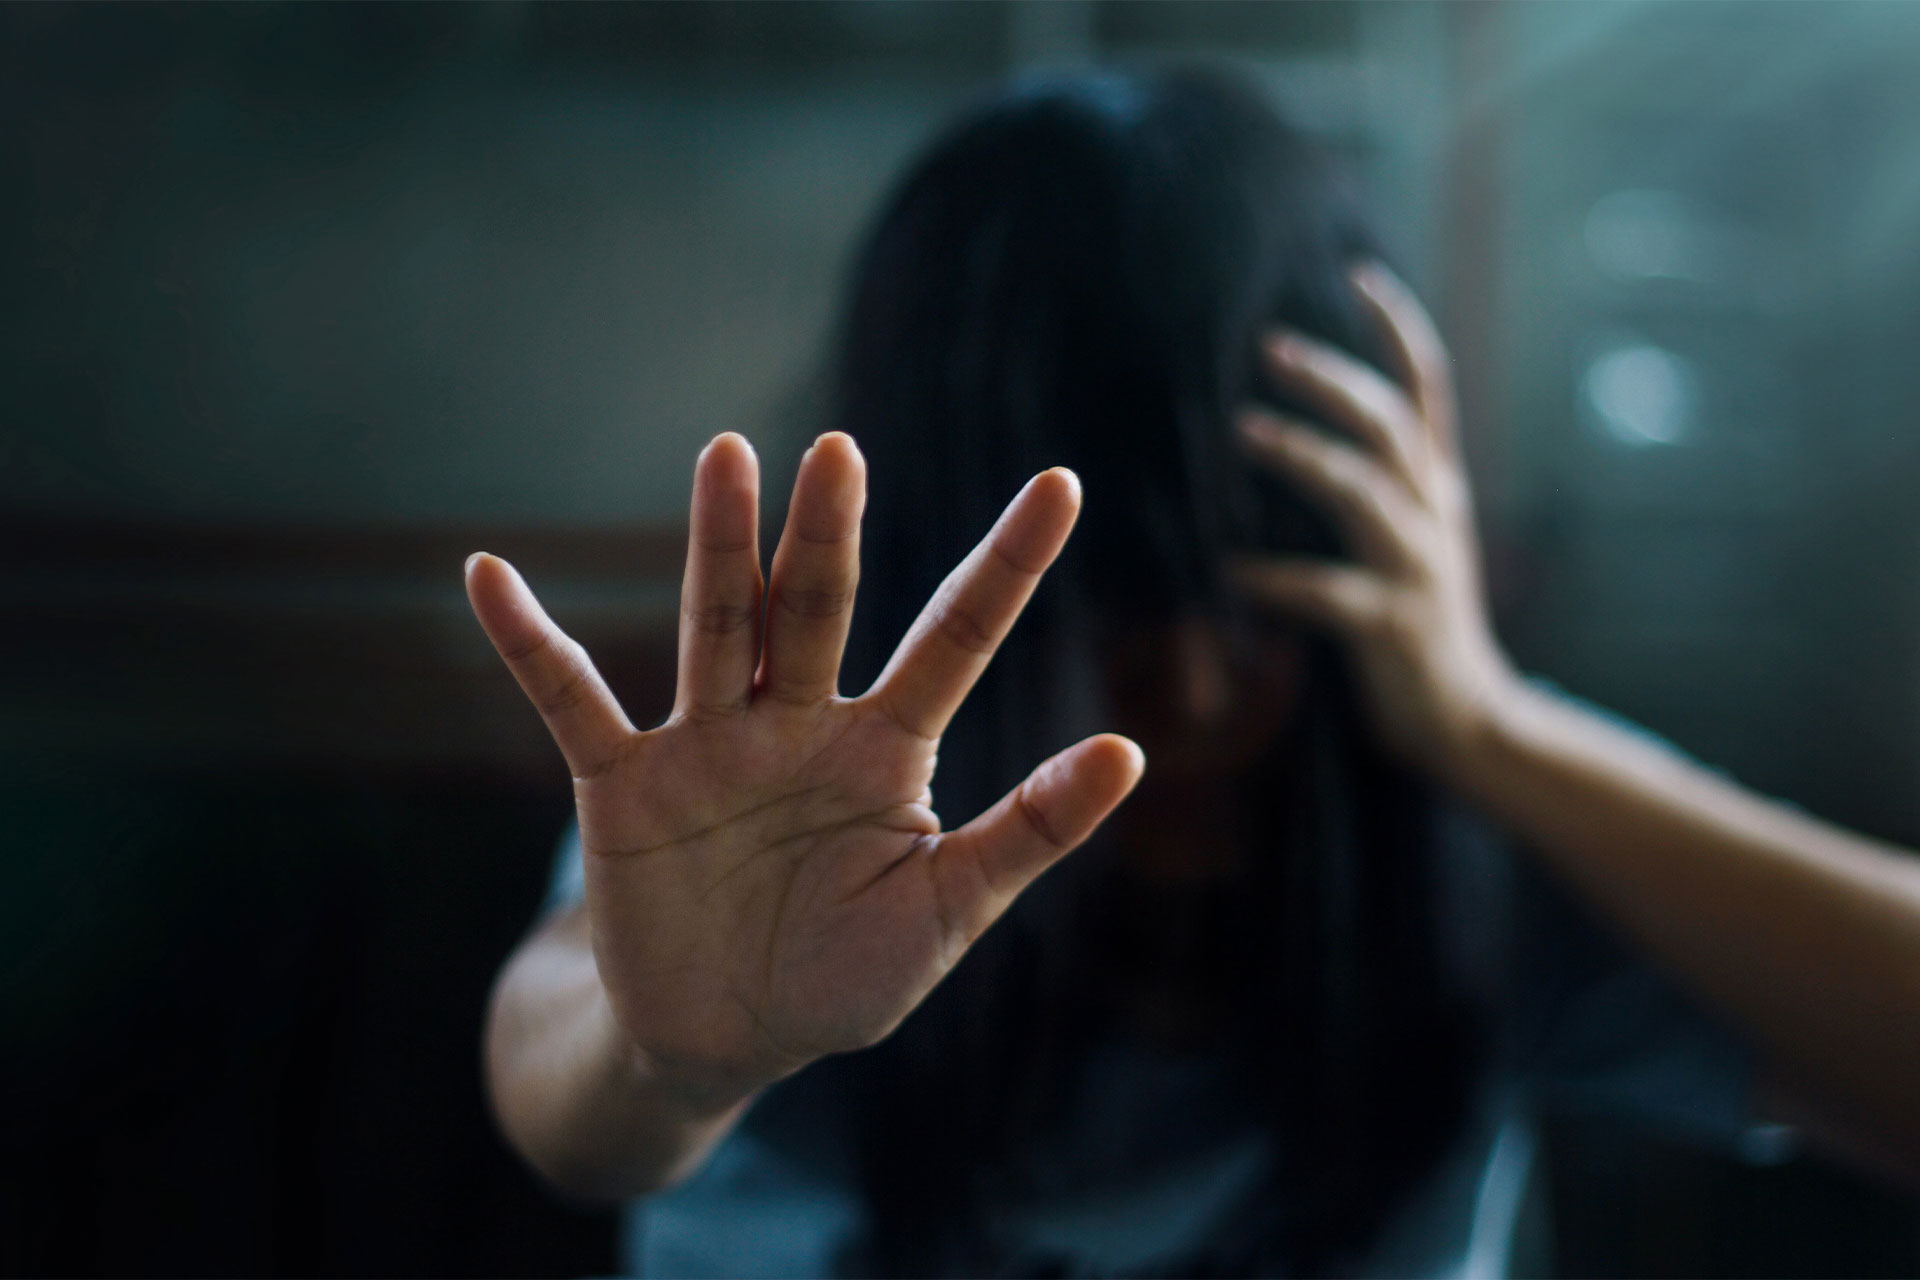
815 570
955 636
1356 398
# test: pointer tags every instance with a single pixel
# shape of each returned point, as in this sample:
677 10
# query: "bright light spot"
1640 395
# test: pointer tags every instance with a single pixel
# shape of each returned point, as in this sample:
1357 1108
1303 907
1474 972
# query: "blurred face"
1204 699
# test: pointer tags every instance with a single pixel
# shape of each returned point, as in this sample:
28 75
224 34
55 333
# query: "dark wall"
242 1023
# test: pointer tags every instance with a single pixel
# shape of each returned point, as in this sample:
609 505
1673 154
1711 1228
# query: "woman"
1079 276
1249 1033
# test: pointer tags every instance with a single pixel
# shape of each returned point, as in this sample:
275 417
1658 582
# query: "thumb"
987 863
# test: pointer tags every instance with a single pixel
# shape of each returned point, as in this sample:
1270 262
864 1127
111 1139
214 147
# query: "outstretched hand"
767 881
1410 605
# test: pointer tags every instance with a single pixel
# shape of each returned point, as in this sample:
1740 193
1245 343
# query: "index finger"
1415 347
955 636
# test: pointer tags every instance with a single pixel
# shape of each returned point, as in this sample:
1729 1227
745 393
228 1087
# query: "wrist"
1489 731
692 1093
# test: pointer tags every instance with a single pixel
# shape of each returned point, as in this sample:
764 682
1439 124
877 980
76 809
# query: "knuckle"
1006 559
898 719
710 712
1037 820
957 923
961 629
832 536
722 619
800 689
726 546
521 652
568 694
825 600
607 765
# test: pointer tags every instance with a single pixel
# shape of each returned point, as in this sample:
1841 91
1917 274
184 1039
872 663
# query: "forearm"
571 1094
1806 934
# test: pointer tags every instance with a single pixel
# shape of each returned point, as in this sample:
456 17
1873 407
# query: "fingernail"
1073 479
472 560
851 445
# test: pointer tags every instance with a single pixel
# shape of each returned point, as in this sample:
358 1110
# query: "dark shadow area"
243 1023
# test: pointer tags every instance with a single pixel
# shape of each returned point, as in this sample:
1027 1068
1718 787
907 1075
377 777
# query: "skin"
1807 934
766 880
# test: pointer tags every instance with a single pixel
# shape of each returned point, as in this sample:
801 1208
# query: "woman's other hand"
1410 604
767 881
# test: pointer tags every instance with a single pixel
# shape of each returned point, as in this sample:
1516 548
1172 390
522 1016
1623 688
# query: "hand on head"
766 879
1410 605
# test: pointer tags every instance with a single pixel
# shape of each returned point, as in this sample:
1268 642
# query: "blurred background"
303 303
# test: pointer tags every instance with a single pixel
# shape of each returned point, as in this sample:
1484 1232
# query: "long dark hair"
1078 274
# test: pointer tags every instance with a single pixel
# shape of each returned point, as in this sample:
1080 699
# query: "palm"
766 880
778 903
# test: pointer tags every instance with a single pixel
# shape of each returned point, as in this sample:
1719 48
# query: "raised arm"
766 882
1807 934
